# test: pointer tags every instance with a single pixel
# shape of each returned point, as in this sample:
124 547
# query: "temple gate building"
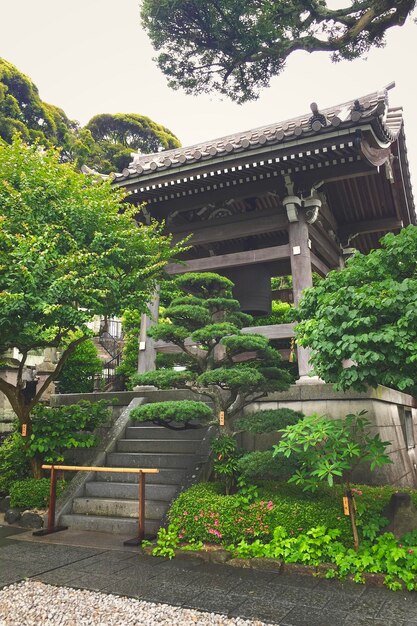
289 198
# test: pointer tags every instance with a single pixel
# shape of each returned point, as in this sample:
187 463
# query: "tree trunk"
36 465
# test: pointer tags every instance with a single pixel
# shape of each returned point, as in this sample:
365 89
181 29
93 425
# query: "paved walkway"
287 600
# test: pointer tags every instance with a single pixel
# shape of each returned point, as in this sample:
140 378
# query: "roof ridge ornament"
317 121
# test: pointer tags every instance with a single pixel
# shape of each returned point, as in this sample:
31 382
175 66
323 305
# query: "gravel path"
33 603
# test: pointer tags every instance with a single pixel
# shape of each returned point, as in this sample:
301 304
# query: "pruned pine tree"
231 368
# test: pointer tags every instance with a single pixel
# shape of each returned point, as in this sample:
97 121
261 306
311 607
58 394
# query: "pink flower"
180 536
185 513
410 552
270 505
195 517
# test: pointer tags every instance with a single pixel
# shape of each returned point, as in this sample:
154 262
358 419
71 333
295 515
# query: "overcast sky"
91 56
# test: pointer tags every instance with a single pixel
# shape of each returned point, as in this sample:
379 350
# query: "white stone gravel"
32 603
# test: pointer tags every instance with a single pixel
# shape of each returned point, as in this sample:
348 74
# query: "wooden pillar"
147 352
302 277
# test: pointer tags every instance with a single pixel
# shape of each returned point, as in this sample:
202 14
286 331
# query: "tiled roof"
371 109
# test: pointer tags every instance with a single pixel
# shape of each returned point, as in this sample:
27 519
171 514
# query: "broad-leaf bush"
14 462
56 429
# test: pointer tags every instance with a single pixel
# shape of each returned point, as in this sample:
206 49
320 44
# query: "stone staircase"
109 502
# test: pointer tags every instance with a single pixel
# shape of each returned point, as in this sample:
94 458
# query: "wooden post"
147 352
136 541
51 528
52 500
302 277
141 533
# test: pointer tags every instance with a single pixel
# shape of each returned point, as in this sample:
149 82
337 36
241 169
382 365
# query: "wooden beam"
242 225
319 265
226 261
325 245
385 224
216 194
274 331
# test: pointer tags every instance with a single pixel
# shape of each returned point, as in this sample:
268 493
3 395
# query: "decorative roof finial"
317 120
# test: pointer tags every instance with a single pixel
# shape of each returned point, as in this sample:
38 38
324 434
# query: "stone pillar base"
309 380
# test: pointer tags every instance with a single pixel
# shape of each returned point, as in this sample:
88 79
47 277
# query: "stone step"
177 446
164 477
151 460
110 507
129 491
159 432
116 525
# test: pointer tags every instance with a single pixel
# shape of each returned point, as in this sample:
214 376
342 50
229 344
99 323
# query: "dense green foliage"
209 315
79 370
235 47
131 327
56 429
67 253
33 493
292 508
104 144
267 421
361 322
117 135
262 465
22 111
173 414
14 462
397 562
280 314
331 449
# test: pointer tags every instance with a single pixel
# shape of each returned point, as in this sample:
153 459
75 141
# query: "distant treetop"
104 144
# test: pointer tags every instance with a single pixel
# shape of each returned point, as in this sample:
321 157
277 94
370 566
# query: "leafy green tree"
79 370
117 135
67 253
231 368
361 322
105 143
330 450
235 47
22 111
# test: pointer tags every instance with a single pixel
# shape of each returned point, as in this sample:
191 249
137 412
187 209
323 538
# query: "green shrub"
77 375
56 429
180 413
280 314
225 458
267 421
202 514
14 462
293 509
33 493
258 465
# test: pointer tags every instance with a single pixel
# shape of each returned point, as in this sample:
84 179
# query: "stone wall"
392 414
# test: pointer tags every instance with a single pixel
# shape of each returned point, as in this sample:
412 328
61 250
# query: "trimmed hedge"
33 493
261 465
270 420
196 510
173 411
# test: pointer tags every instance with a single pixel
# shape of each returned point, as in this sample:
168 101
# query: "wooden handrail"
122 470
142 471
